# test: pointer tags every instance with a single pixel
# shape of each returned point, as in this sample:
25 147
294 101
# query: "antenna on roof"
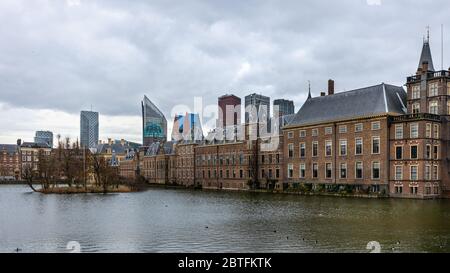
428 34
442 46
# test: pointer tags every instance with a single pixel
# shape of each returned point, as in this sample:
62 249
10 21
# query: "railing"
418 116
430 75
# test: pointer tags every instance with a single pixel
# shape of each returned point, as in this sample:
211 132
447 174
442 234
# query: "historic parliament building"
378 140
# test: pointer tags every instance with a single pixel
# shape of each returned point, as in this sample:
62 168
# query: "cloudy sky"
58 57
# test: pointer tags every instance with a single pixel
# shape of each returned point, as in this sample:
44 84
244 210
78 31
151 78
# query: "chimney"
330 87
109 141
19 142
322 94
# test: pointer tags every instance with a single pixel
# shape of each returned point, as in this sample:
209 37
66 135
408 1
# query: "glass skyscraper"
89 129
45 137
187 128
154 123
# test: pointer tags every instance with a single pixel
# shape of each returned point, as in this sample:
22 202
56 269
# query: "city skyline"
275 56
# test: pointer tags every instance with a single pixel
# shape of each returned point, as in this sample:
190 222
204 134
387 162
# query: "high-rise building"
154 123
229 111
285 107
257 110
187 128
89 129
44 137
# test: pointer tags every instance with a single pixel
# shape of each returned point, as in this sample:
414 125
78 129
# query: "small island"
71 169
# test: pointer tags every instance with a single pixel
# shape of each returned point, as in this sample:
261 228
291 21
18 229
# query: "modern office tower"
89 129
282 107
229 111
257 111
187 128
154 123
44 137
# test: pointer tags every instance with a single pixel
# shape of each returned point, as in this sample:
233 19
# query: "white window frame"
379 145
416 134
376 125
398 131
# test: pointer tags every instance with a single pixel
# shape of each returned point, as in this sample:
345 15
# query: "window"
328 170
358 146
302 170
343 147
358 170
315 132
428 151
448 107
414 130
398 189
428 130
435 172
398 172
343 129
398 131
302 133
398 152
427 172
315 147
375 145
358 127
433 89
436 131
291 150
290 135
328 148
328 130
416 108
376 170
302 150
416 92
414 189
343 171
435 152
428 188
315 170
376 125
414 152
290 170
436 189
434 108
413 173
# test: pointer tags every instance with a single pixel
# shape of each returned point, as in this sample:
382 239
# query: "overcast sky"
58 57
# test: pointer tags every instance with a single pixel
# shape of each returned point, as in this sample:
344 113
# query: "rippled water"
160 220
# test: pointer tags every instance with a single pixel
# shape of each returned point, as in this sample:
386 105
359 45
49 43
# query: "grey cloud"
110 53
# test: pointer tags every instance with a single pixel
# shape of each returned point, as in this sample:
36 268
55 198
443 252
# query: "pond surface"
167 220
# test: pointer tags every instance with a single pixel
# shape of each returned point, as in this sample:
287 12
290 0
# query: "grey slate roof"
9 148
364 102
34 145
426 56
155 147
115 147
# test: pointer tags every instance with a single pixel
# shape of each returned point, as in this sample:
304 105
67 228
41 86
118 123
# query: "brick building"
9 162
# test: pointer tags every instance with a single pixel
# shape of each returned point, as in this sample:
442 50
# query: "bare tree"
29 175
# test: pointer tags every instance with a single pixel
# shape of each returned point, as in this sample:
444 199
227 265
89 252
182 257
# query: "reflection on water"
160 220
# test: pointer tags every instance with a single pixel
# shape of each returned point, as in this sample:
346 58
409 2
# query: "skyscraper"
154 123
45 137
187 128
89 129
229 108
285 107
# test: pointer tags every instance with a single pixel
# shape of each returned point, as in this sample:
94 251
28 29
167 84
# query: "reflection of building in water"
154 124
187 127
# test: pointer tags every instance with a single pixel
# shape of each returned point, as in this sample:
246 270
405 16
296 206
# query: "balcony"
430 75
414 117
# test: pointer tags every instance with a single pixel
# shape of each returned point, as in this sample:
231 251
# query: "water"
163 220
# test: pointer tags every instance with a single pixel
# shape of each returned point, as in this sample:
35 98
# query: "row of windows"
359 127
233 174
431 152
414 189
358 168
431 131
433 108
343 147
431 172
433 90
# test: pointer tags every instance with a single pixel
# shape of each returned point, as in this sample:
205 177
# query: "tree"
29 175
